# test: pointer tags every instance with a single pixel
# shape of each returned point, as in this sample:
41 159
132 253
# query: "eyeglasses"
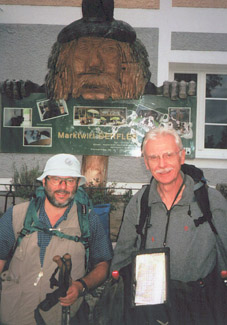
167 156
54 180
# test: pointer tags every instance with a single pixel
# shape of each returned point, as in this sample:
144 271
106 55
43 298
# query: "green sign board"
82 127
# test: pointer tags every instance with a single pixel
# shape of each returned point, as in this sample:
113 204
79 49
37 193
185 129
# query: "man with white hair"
197 293
51 225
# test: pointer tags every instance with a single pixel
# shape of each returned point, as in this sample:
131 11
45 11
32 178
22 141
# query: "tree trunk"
94 168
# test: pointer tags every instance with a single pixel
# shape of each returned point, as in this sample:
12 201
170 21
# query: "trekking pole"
64 263
64 281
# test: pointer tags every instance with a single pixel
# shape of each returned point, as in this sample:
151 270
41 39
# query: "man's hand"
173 89
180 89
72 294
93 279
18 89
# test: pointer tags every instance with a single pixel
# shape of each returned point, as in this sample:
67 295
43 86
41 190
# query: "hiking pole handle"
57 259
68 262
64 263
65 319
60 261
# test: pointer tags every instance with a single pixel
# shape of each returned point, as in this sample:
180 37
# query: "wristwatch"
85 288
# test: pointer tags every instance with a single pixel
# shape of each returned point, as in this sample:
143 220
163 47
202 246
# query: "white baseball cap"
63 165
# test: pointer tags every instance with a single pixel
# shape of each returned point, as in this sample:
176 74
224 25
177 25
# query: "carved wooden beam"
143 4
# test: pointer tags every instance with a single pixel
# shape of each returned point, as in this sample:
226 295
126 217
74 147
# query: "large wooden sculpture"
97 58
97 68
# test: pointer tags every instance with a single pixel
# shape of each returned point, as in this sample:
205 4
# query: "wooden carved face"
97 68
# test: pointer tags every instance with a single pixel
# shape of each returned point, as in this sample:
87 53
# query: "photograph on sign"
17 117
49 109
103 116
37 137
114 128
180 120
149 117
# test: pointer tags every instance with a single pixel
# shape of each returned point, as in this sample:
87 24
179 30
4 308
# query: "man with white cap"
54 229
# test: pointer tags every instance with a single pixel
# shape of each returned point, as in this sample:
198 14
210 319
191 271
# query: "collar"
44 218
187 195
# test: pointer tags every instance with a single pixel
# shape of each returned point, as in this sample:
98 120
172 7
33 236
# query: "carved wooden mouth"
100 93
94 88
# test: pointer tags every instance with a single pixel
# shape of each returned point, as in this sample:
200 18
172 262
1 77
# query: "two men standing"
197 293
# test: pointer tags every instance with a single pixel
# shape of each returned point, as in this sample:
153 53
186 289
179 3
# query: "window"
216 111
211 120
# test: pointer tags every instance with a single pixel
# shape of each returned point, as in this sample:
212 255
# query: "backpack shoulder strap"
201 194
145 213
31 215
144 210
193 171
31 222
84 208
202 199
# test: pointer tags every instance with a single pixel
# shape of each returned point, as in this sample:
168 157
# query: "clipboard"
150 277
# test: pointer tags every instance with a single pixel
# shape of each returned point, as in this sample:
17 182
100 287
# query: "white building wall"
167 19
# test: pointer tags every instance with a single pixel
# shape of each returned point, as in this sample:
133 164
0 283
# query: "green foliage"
222 188
25 181
127 196
102 195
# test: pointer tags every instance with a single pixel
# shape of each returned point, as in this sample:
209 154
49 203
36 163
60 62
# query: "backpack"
32 224
202 199
152 314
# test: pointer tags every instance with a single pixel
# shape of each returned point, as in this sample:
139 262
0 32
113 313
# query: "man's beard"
57 204
103 83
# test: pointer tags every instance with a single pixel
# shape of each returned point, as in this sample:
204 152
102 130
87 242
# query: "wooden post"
86 64
94 168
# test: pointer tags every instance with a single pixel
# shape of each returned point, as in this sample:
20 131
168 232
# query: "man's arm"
93 279
96 277
218 205
2 264
100 252
127 237
7 238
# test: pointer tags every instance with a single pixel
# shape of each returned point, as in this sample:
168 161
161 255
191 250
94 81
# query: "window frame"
201 70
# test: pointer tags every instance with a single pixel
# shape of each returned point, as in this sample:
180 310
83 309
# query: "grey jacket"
193 250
